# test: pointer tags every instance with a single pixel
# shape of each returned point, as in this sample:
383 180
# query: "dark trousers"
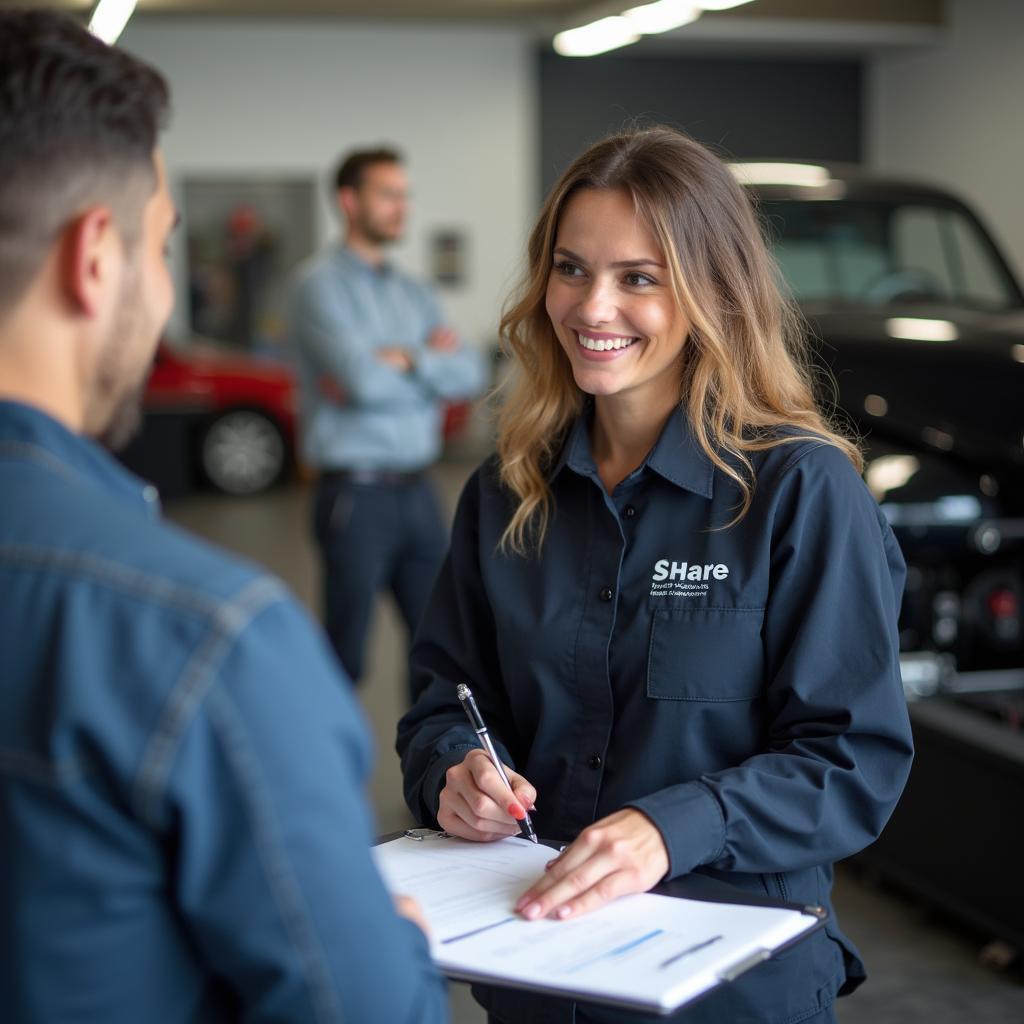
386 534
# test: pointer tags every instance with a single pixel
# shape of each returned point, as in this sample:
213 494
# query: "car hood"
979 336
964 395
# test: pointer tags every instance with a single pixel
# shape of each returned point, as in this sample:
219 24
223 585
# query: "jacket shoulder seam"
122 577
191 687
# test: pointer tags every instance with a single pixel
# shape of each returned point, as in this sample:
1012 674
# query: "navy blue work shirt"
184 836
738 685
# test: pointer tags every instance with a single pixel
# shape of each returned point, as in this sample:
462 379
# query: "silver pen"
465 695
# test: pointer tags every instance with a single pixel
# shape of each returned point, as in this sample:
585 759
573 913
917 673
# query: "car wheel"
242 452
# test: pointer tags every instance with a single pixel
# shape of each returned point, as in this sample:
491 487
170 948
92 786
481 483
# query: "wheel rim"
243 452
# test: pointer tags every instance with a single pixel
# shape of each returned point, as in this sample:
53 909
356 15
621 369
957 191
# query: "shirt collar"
353 261
676 455
28 433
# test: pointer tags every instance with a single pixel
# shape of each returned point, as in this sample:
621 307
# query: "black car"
921 322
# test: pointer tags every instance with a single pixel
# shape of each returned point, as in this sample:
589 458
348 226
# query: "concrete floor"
921 970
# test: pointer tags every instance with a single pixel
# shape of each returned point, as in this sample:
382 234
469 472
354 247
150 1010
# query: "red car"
237 411
230 415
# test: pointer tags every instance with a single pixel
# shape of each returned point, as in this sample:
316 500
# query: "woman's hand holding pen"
476 804
621 854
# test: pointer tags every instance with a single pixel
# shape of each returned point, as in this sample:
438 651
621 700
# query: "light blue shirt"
342 311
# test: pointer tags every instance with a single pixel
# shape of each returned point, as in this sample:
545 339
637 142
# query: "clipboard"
652 952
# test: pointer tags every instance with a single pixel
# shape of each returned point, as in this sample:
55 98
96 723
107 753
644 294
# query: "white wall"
955 114
275 97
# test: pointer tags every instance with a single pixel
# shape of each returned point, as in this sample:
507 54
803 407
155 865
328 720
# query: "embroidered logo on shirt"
683 579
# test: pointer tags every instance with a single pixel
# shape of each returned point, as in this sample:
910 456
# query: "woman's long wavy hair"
745 369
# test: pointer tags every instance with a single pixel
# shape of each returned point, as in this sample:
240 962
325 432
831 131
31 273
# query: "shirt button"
607 594
629 511
595 761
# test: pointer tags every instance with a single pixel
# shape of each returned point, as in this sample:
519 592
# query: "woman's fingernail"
563 912
531 911
516 811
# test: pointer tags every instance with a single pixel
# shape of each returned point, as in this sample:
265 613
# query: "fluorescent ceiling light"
720 5
807 175
597 37
109 19
662 16
914 329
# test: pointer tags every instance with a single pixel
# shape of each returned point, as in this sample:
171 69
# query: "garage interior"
487 114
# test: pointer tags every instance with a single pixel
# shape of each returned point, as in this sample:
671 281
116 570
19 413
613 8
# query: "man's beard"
123 399
125 419
380 234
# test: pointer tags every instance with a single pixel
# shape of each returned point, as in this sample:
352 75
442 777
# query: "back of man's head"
78 128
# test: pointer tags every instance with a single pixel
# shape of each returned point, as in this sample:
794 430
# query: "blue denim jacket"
739 685
184 830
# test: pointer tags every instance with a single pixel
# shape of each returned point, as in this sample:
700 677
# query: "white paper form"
644 951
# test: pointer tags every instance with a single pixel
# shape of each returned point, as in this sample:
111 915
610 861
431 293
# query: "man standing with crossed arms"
376 365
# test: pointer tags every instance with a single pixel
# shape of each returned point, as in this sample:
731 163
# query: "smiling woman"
671 593
644 205
619 324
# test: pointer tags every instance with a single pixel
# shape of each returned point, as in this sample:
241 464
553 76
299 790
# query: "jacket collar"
676 455
28 434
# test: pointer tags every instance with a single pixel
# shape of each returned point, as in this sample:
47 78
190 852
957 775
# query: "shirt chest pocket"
706 654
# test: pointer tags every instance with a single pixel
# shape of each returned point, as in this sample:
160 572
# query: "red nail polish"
516 811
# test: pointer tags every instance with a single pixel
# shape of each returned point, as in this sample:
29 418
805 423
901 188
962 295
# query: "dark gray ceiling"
525 12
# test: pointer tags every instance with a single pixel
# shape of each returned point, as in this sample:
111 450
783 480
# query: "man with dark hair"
351 170
185 836
376 364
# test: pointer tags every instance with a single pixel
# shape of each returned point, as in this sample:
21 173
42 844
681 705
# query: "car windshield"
875 253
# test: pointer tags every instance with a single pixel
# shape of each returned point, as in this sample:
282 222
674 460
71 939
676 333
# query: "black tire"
242 452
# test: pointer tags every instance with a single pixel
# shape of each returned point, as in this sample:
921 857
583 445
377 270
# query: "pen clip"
417 835
465 695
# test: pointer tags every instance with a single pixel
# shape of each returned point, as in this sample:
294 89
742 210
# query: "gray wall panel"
799 109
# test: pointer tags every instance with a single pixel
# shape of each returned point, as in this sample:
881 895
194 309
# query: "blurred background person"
376 365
